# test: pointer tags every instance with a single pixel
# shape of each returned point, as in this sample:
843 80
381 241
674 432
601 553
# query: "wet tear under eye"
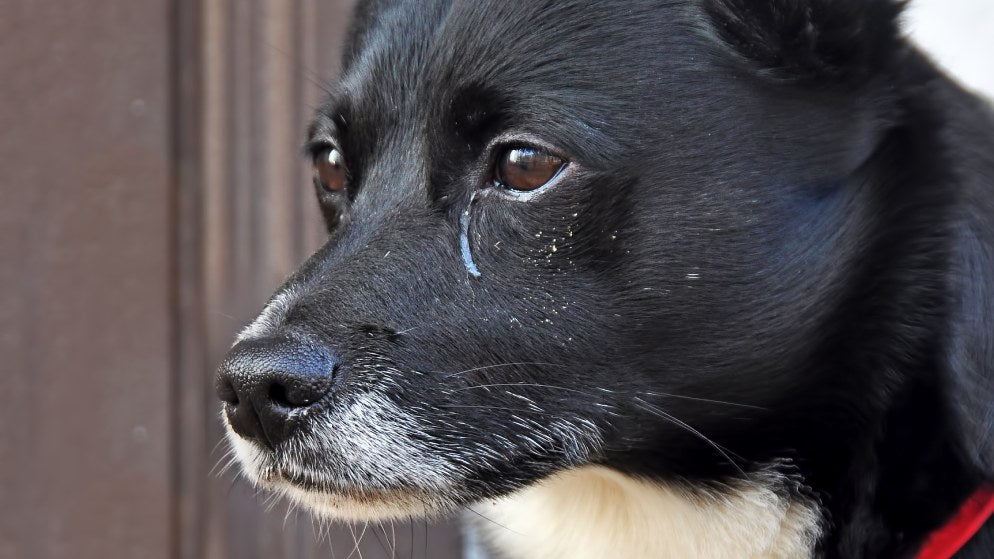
467 255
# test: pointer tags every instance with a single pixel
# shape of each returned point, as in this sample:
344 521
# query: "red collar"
950 538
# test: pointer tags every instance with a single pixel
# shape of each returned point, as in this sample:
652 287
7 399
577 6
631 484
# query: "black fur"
781 205
817 41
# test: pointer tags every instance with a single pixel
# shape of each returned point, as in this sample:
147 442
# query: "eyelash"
313 148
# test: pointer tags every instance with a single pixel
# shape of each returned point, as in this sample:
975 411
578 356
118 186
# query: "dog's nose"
264 381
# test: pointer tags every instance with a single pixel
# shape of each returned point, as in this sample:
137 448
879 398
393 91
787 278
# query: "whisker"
528 384
380 540
660 413
586 393
220 442
331 543
290 509
225 315
498 365
515 410
231 486
228 459
707 400
492 521
355 541
269 501
393 540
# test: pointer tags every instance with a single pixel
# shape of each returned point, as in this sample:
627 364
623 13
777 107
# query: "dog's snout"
264 381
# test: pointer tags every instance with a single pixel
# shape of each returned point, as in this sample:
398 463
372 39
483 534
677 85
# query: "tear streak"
467 256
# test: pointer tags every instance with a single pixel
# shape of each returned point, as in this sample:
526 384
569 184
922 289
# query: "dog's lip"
306 482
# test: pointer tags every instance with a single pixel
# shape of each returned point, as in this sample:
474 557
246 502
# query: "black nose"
265 381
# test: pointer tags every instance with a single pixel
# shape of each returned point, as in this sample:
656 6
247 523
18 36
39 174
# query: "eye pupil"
330 171
527 169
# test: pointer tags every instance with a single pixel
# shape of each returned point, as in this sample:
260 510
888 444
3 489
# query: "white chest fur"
595 512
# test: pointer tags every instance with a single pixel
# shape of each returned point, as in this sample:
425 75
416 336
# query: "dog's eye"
330 171
526 169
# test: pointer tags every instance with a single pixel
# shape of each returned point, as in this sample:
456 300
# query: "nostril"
277 395
298 391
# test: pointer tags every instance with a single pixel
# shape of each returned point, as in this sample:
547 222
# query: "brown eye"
330 171
526 169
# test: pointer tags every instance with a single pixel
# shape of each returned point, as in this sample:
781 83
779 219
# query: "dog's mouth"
350 502
275 476
334 496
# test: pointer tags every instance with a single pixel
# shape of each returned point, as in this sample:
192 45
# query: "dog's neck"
594 512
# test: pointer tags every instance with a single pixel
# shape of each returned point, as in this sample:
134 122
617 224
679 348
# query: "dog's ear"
842 41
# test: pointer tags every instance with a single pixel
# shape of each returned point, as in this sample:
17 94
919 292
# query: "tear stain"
467 256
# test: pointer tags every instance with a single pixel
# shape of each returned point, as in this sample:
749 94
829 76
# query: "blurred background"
152 195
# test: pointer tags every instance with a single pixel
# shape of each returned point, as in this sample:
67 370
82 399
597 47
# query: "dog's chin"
354 504
334 501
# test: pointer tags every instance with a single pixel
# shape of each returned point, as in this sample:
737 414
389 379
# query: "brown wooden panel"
152 197
85 150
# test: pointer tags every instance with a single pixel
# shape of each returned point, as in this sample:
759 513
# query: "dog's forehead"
484 38
571 56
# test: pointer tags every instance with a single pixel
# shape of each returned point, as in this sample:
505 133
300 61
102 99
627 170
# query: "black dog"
688 278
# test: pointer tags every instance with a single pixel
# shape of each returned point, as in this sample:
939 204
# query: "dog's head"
560 233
